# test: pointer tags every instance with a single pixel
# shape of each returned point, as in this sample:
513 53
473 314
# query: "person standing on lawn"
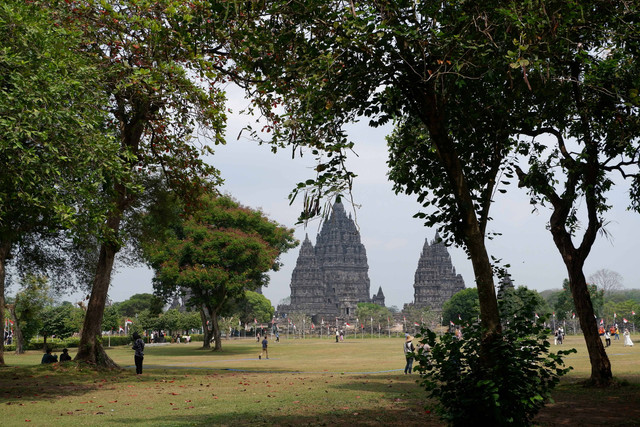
138 347
265 344
408 353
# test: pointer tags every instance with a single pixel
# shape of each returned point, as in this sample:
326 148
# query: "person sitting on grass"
64 357
48 357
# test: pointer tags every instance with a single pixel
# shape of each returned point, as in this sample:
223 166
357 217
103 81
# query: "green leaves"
509 393
217 253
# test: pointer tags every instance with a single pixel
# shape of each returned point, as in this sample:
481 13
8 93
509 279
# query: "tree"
416 317
462 307
252 305
54 152
581 115
300 321
427 66
565 307
373 312
216 253
608 281
523 302
138 302
111 319
162 87
59 321
27 309
171 320
462 80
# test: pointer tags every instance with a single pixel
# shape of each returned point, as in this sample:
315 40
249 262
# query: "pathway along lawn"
308 382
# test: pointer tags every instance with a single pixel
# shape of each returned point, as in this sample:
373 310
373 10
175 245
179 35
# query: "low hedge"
72 342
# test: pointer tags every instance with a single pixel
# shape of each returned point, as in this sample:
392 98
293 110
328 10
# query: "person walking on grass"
138 347
265 344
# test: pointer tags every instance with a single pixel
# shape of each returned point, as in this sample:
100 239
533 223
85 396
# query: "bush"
510 391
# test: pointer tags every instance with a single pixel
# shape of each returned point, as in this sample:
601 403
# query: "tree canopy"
163 93
462 81
215 255
54 152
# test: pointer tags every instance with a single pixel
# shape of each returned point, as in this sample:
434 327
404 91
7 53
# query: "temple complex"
330 279
435 280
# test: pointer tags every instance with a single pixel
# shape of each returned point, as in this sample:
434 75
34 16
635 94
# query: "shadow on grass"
400 416
48 382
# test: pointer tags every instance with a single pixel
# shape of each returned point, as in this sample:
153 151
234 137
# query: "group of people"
614 331
339 335
47 357
558 336
410 350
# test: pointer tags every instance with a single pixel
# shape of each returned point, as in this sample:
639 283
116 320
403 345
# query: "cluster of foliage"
172 322
137 303
54 151
34 312
27 309
373 314
621 310
564 306
214 255
472 89
251 306
510 392
463 307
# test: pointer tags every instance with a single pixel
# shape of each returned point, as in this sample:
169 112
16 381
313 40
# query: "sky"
392 237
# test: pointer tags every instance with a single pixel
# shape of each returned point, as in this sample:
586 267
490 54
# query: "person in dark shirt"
64 357
138 347
265 343
48 357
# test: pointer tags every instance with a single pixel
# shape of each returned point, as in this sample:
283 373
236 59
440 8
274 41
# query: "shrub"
510 391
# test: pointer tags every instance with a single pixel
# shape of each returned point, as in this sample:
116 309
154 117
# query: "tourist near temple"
332 277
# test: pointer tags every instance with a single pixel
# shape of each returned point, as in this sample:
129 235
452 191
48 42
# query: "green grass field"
304 382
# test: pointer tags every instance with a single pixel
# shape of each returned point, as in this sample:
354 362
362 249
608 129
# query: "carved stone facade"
378 298
330 279
435 280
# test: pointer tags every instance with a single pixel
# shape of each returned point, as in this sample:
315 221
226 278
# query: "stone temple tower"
435 280
330 279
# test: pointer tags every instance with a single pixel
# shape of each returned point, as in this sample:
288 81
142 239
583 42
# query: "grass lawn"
304 382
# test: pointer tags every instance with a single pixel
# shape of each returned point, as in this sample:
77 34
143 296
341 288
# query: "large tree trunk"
601 375
206 339
18 338
473 228
216 331
215 326
90 347
5 247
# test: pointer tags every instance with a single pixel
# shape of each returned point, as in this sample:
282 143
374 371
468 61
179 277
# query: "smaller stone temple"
435 279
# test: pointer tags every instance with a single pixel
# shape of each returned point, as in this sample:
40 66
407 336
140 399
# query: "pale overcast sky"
392 237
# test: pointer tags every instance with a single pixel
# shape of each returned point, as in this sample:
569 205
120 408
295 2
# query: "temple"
435 280
330 279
